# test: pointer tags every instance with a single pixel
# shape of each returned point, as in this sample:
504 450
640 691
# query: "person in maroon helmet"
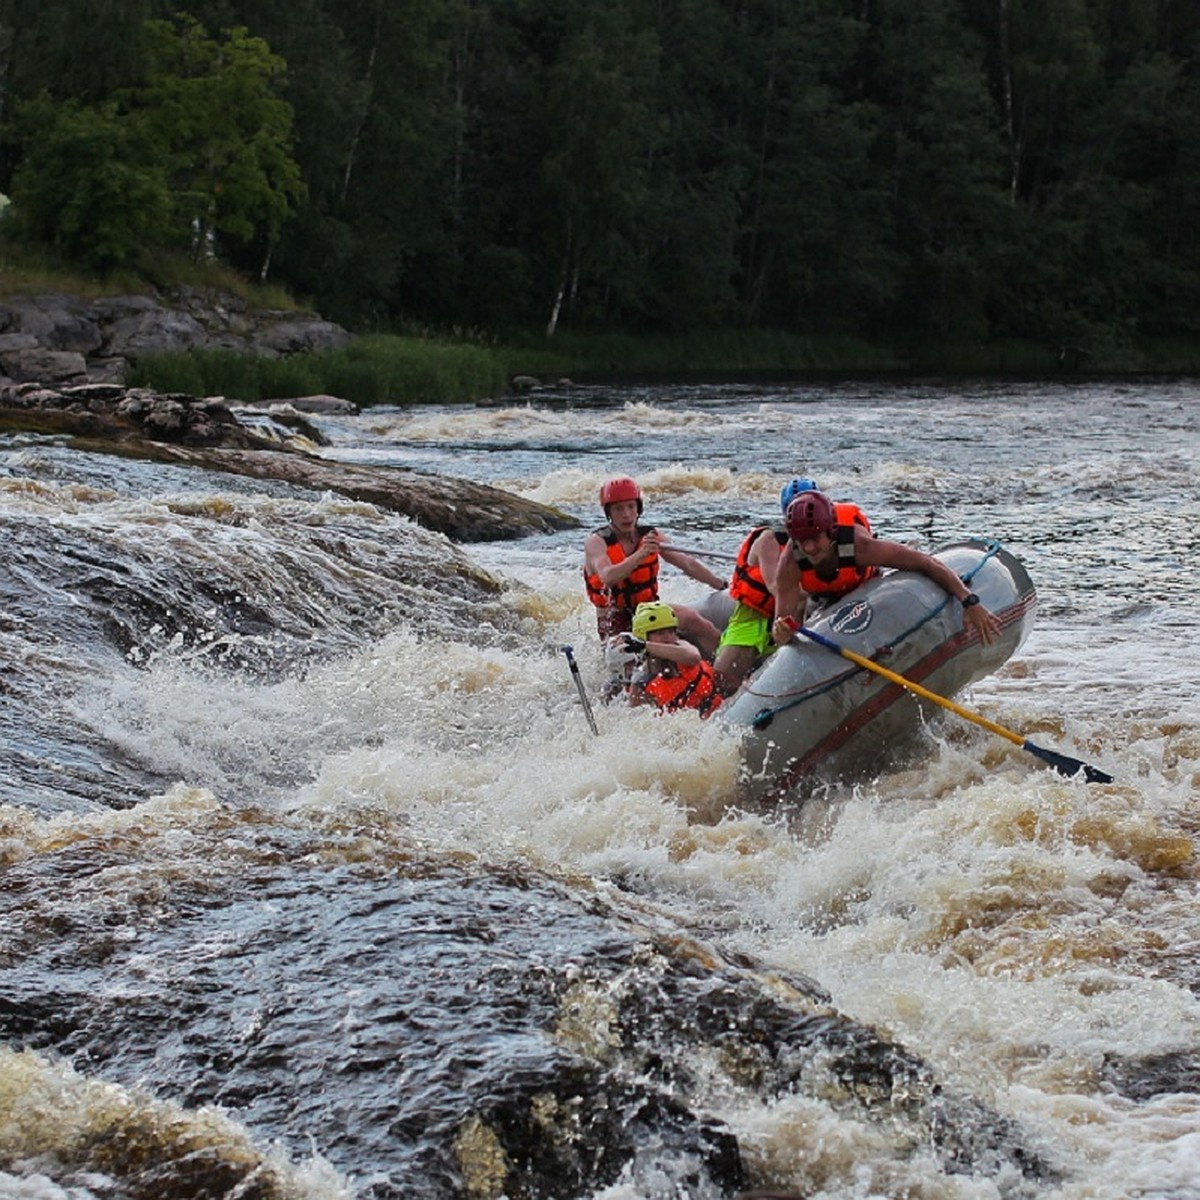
620 568
831 550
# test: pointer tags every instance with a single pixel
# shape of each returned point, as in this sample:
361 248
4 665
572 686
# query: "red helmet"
809 514
620 489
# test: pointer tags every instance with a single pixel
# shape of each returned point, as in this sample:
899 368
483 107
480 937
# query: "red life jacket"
686 687
849 574
747 584
639 585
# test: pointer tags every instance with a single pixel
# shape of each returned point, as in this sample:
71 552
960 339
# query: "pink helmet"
620 489
809 514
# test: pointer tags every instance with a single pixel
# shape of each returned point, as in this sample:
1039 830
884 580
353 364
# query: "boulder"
55 322
154 331
27 366
112 332
316 404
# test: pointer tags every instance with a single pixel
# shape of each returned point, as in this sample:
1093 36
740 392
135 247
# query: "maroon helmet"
620 489
809 514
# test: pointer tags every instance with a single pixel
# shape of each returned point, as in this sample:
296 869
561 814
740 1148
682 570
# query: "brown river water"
314 881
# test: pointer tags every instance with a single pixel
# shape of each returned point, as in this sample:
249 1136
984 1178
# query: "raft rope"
765 716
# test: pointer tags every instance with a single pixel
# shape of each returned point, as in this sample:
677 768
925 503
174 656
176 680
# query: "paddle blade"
1064 764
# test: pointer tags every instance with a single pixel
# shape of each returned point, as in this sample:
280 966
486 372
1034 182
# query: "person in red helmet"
620 568
831 550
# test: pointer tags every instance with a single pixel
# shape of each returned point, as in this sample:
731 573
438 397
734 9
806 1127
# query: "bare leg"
732 665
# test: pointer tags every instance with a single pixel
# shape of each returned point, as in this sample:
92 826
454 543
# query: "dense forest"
959 169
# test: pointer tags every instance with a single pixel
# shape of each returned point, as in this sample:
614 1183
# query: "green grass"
376 369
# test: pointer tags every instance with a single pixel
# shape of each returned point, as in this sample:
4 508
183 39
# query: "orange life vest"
686 687
747 584
639 585
849 574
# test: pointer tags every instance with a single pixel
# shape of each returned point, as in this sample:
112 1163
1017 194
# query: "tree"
944 158
214 111
89 187
594 173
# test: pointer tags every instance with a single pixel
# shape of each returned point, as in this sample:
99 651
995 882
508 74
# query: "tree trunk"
368 87
1014 150
564 277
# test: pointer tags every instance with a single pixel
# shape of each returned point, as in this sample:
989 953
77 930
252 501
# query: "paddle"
1062 763
583 699
713 554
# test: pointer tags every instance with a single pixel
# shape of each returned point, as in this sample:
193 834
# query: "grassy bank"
421 367
398 370
376 369
391 369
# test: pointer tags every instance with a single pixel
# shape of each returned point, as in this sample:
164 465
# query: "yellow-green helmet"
651 615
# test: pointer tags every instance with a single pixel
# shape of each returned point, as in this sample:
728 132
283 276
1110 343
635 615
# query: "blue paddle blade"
1064 764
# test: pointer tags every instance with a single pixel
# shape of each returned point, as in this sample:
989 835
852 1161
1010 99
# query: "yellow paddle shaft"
871 665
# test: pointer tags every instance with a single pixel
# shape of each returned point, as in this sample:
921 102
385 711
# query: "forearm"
946 579
683 653
789 597
877 552
693 568
699 572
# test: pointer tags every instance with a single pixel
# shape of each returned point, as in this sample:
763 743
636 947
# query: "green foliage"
89 186
954 172
181 373
212 110
199 148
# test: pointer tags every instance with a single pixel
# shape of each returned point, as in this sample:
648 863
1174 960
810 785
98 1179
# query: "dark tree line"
957 168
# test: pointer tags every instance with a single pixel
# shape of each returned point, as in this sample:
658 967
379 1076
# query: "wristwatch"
970 600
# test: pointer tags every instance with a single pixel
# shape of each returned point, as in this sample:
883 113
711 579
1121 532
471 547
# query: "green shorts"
747 627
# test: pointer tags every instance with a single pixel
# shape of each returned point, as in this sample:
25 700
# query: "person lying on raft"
674 675
746 640
620 568
831 550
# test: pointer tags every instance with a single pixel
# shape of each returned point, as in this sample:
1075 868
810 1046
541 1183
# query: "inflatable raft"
809 715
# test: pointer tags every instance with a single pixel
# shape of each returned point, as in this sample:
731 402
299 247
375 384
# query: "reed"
376 369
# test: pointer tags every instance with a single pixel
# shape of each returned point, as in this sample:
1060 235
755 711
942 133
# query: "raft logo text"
852 618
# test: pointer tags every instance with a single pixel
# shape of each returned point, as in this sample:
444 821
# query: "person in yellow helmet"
675 675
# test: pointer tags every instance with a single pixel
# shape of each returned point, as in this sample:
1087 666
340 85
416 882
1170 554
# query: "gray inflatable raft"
809 715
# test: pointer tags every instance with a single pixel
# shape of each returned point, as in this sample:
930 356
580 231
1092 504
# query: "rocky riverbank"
206 432
57 338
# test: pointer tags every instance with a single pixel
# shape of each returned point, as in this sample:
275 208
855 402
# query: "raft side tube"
808 715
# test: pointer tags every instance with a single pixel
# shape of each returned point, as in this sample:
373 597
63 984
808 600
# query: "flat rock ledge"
204 432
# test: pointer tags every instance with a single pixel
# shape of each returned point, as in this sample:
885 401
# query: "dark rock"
112 332
137 422
39 363
507 1034
153 332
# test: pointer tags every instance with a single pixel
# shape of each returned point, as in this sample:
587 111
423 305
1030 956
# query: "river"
316 882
